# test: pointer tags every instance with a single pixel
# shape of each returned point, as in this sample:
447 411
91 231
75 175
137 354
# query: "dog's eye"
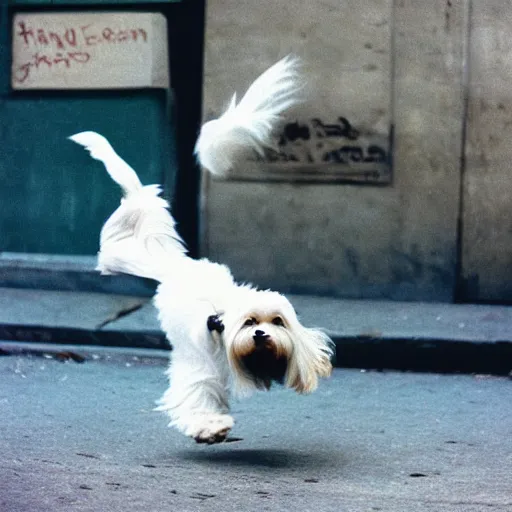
250 321
278 321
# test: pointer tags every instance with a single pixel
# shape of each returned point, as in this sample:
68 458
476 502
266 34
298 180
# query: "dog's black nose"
259 337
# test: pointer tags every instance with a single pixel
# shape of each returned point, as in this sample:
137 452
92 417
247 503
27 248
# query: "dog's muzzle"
260 338
262 363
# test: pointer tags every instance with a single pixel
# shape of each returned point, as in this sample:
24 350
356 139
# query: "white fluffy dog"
225 336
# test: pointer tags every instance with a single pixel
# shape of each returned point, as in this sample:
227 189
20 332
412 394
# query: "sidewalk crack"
119 314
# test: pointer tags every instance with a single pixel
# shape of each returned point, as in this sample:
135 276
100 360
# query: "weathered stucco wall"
382 64
487 201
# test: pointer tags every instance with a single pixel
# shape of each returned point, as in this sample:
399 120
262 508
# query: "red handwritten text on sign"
69 46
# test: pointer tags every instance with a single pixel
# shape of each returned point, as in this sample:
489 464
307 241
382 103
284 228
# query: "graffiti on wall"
89 50
71 45
316 143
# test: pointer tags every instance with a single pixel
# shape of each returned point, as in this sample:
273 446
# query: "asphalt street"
82 436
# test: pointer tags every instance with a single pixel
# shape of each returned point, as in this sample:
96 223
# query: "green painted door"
54 198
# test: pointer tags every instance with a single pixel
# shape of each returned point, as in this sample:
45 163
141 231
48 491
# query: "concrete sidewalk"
84 438
368 334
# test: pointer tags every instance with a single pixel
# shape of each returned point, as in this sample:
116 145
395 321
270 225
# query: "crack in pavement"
120 314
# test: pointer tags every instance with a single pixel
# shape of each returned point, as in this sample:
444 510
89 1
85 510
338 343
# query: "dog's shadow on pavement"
263 458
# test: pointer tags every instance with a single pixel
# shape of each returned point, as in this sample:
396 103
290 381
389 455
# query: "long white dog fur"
226 337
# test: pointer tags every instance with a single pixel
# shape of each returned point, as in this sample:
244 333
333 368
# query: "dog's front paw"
210 428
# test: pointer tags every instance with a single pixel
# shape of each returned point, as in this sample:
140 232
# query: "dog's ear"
214 323
311 359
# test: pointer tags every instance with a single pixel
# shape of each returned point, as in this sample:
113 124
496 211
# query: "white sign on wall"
89 51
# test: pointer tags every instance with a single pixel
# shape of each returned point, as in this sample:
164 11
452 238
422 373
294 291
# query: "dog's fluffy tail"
139 238
100 149
249 125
